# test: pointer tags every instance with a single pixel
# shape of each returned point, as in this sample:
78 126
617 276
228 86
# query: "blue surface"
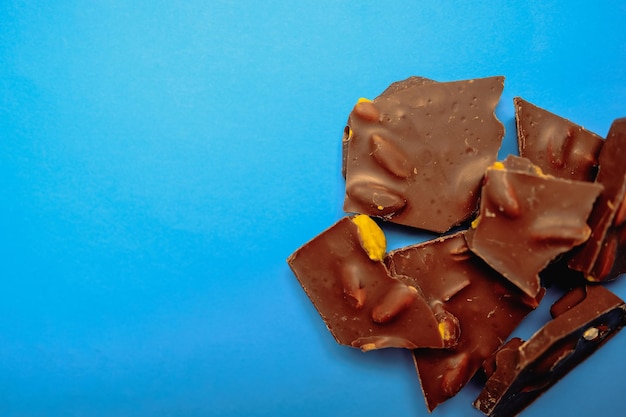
160 160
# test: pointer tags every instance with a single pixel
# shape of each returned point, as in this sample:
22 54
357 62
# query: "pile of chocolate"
424 154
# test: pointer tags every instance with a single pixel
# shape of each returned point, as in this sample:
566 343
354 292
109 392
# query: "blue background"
159 161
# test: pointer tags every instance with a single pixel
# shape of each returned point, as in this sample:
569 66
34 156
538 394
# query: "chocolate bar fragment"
363 305
527 219
603 256
584 319
556 145
416 154
485 305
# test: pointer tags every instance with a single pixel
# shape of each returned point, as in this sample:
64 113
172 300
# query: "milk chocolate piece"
416 154
485 304
362 304
527 219
584 319
603 256
558 146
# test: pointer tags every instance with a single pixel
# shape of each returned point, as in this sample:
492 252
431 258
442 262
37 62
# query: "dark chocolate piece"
584 319
603 256
528 219
556 145
485 304
363 306
417 153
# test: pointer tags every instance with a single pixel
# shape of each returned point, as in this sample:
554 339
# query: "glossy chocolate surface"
527 219
416 154
556 145
584 319
423 154
362 305
485 304
603 257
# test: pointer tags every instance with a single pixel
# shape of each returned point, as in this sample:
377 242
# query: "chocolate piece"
417 153
558 146
584 319
342 272
485 304
526 220
603 257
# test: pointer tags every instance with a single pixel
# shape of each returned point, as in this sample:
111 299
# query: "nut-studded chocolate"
362 304
415 155
556 145
527 219
423 154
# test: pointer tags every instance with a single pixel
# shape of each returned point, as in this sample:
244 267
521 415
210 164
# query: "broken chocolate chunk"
416 154
485 306
603 256
556 145
584 319
362 304
527 219
447 260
